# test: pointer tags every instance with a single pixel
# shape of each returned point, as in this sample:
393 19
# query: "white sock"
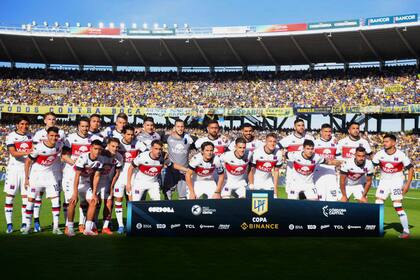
55 208
29 212
403 216
119 213
37 208
70 225
88 226
24 202
106 223
8 209
379 201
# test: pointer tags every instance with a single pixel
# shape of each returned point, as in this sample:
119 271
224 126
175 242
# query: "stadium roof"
344 45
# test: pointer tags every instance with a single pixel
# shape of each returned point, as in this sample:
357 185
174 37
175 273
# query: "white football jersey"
303 168
129 152
220 144
356 173
146 140
21 143
41 135
149 169
264 164
392 166
204 170
328 150
346 147
97 134
88 167
46 159
236 169
111 131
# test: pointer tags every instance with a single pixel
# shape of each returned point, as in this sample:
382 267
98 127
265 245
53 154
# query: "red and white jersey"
46 159
41 135
111 132
129 152
236 169
264 164
21 143
356 173
303 168
293 143
97 134
149 168
220 144
204 170
328 150
76 145
109 165
87 166
392 166
346 147
146 140
251 146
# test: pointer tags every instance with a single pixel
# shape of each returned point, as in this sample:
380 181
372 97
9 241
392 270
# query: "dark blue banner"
257 215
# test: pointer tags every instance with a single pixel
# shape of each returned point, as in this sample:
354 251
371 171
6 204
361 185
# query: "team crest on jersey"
259 203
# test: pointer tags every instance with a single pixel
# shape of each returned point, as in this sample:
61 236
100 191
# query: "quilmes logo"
333 211
260 203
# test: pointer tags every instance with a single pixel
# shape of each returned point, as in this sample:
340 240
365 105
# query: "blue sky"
198 13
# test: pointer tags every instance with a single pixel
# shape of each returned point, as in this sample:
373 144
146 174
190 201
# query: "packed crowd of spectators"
356 87
408 143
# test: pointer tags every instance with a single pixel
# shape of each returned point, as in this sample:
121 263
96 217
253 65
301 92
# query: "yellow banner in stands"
69 110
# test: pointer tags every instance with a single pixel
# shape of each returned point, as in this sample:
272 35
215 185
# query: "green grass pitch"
42 255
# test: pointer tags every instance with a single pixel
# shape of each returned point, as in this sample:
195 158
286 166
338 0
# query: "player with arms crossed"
149 165
352 173
264 160
392 163
325 176
41 176
304 164
19 145
200 175
85 167
236 164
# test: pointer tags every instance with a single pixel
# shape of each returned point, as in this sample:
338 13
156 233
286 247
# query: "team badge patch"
260 203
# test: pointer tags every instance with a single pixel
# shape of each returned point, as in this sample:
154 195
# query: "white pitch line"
405 197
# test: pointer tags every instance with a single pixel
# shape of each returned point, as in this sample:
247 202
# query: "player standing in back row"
220 143
392 163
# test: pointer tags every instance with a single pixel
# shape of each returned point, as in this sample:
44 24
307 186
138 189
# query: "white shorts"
139 188
355 190
104 191
120 185
392 188
238 188
39 183
309 191
15 180
327 188
83 191
204 187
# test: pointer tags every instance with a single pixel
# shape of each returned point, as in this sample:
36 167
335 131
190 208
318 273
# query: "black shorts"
172 177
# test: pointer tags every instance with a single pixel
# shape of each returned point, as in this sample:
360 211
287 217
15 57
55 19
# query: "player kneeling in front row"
392 162
41 176
264 160
304 163
353 173
236 164
102 187
200 173
149 165
86 166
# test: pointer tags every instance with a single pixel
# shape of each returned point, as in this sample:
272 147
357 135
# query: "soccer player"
50 120
85 167
179 146
303 164
75 145
346 147
248 134
200 178
219 142
325 176
116 130
236 163
19 145
95 126
392 162
148 134
353 171
264 160
41 176
129 149
149 165
293 143
103 186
